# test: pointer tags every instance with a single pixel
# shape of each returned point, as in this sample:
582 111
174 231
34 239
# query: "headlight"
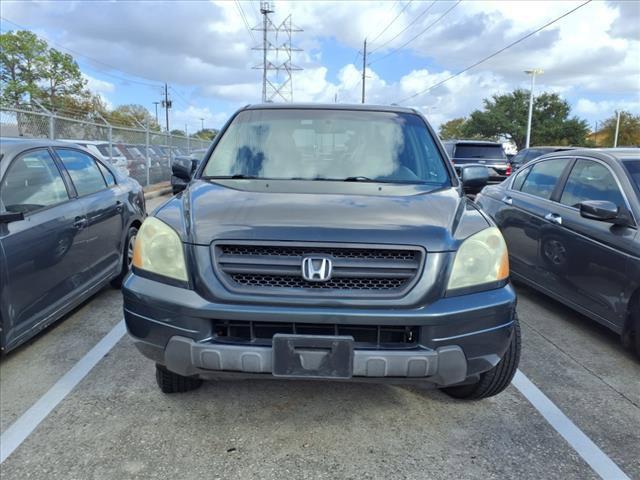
158 249
482 258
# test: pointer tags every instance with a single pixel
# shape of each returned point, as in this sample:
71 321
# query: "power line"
184 100
424 12
488 57
75 52
416 36
392 21
244 20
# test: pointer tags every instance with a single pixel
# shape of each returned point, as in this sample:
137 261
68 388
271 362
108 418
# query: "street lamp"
533 73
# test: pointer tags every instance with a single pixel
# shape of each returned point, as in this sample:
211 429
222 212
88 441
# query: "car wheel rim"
132 242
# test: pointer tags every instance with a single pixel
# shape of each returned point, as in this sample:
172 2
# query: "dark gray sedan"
570 220
67 226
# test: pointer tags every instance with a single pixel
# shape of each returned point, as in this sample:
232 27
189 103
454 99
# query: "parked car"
527 154
101 150
337 244
68 222
478 152
570 220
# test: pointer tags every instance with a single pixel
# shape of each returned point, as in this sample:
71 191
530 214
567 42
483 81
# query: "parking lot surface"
117 424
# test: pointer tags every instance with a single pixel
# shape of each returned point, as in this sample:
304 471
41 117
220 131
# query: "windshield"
480 151
328 145
633 167
104 150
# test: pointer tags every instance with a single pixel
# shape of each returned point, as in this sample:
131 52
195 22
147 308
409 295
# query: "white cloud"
191 118
98 86
604 108
592 55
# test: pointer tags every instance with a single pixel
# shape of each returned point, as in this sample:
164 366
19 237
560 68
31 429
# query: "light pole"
533 73
202 124
615 139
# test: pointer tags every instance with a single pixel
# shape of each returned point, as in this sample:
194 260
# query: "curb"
157 193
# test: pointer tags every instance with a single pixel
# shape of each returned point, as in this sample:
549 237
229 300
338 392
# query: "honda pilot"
325 242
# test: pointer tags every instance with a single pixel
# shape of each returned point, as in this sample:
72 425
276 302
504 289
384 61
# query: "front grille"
365 336
287 251
277 268
289 281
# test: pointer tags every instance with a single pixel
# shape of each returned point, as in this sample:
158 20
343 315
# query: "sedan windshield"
297 144
633 167
480 151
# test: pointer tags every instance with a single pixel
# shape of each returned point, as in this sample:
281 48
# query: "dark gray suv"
325 242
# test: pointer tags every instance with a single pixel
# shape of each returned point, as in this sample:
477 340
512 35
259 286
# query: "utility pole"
166 104
615 139
156 104
533 73
202 124
265 11
273 86
595 134
364 67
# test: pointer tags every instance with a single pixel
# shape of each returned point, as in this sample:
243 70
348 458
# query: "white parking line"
17 433
589 451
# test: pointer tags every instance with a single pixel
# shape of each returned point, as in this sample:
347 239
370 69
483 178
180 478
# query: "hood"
322 211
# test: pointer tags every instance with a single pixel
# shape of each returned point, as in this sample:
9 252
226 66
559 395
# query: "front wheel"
498 378
170 382
127 257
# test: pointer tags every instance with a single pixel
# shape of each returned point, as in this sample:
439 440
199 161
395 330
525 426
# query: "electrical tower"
277 69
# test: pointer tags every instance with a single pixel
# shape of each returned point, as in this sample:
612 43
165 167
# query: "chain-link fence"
139 153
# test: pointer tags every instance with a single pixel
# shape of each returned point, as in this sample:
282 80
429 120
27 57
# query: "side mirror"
474 177
8 217
604 211
181 168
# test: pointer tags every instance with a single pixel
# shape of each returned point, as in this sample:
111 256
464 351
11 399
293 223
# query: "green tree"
177 131
126 115
505 116
61 77
628 134
22 55
206 134
453 129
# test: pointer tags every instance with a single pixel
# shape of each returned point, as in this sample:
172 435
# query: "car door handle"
80 222
508 200
119 206
553 217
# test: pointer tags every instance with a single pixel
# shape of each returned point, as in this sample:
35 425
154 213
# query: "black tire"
127 257
495 380
170 382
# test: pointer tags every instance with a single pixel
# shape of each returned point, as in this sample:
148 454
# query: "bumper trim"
476 332
444 366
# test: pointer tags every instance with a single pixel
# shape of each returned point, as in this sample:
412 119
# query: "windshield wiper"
359 178
232 177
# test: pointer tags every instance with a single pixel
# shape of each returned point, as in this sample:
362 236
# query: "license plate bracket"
312 356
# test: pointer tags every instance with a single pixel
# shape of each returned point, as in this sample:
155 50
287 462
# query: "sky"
127 50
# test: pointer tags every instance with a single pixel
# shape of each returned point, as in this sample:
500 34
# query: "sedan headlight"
158 249
481 259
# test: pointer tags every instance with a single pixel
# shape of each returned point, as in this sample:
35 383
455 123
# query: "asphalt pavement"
116 424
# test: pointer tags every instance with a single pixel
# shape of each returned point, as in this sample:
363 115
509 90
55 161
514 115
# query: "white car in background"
100 149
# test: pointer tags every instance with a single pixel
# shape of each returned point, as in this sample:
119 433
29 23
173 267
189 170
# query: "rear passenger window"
83 170
32 182
520 177
543 178
108 176
591 180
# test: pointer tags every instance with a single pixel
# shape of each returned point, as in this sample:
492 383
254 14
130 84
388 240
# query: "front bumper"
445 365
459 337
